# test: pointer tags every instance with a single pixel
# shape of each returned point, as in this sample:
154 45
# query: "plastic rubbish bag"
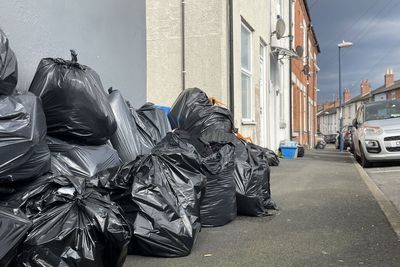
74 101
130 139
218 206
160 195
24 154
77 226
251 176
83 161
14 226
195 113
266 153
155 120
8 67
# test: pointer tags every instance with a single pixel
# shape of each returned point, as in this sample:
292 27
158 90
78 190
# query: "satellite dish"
280 28
299 51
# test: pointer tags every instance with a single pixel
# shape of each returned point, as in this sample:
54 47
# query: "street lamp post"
341 144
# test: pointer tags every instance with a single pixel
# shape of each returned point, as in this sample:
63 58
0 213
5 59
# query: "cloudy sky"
374 28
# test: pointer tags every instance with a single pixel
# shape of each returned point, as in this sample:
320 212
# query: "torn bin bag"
193 112
129 139
14 226
24 154
218 206
74 101
77 226
8 67
83 161
155 120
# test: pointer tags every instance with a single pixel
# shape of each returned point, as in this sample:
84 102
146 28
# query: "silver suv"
377 134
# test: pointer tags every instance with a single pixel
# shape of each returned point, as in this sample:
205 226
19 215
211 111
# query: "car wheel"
363 160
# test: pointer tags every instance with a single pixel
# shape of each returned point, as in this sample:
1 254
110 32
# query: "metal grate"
393 149
392 138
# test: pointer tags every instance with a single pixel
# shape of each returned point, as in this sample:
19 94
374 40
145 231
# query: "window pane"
246 97
245 49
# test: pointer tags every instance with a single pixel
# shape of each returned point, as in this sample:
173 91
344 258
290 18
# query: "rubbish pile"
86 179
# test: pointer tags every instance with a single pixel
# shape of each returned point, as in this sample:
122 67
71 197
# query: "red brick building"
304 77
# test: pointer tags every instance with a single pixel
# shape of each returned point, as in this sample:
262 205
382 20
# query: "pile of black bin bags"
85 178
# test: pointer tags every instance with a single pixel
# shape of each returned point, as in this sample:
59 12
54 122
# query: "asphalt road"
327 217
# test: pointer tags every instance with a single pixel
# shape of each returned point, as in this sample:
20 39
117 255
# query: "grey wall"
109 36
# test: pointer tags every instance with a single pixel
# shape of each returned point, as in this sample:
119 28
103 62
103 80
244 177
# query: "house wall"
278 98
109 36
304 87
257 15
206 49
329 123
207 53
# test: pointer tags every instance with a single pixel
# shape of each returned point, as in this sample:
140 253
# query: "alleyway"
327 217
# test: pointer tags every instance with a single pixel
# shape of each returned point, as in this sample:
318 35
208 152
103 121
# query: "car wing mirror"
355 123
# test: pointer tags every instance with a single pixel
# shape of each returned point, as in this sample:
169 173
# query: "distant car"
330 138
348 138
377 134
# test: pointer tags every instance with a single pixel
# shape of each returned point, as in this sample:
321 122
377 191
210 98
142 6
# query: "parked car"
348 138
330 138
377 134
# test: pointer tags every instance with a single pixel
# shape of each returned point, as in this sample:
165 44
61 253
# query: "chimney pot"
389 78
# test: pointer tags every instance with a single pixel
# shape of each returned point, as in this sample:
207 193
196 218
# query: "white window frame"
248 73
281 92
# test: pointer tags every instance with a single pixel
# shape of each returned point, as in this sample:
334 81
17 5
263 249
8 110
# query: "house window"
245 50
393 96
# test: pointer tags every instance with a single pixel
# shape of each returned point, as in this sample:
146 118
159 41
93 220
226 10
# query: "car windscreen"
382 110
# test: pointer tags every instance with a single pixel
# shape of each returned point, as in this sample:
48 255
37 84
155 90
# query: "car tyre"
363 160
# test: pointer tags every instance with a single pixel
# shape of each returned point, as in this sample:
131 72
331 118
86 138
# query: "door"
263 98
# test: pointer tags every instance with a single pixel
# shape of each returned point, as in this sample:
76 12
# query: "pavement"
328 217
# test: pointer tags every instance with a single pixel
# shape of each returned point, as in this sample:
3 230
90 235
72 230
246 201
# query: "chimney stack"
389 78
365 87
346 95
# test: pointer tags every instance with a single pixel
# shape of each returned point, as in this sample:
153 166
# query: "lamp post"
340 46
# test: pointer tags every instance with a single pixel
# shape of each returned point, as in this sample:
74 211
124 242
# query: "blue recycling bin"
289 152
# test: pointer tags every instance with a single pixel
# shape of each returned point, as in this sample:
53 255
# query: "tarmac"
328 217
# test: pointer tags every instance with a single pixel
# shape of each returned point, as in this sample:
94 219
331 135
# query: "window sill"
248 122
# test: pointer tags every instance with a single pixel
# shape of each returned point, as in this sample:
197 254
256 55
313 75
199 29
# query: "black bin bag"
160 194
252 176
83 160
218 206
8 67
131 138
265 153
14 226
74 101
195 113
76 226
24 154
155 120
